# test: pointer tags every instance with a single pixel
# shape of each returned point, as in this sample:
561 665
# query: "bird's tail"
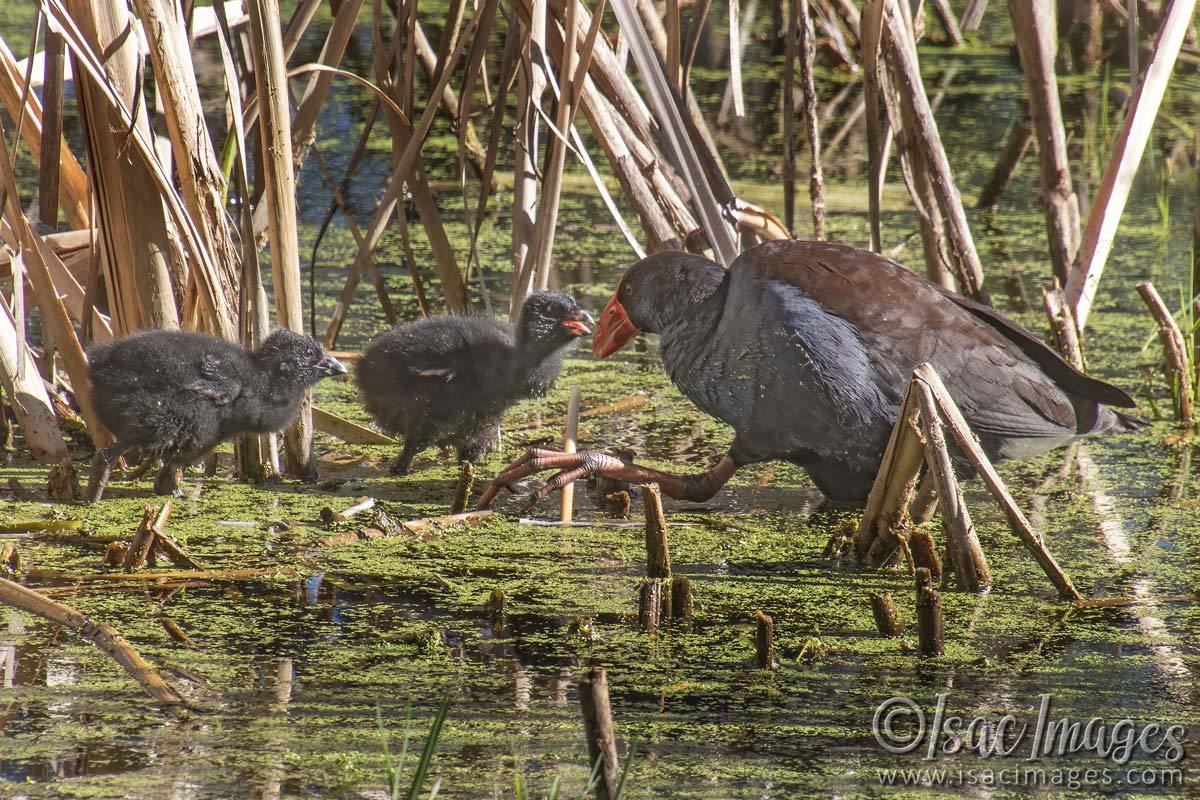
1109 419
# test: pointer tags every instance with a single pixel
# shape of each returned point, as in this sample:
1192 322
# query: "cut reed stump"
497 604
682 605
142 544
462 491
929 615
598 727
764 640
1179 373
570 434
650 603
658 557
924 553
887 619
915 438
98 633
62 483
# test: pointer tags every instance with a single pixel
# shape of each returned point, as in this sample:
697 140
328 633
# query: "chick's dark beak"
577 324
329 366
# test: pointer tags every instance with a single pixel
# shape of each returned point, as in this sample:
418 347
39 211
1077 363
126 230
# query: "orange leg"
584 464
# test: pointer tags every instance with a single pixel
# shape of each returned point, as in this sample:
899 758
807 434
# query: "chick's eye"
310 352
628 289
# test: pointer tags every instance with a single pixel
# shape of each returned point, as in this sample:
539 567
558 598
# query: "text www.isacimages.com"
1031 777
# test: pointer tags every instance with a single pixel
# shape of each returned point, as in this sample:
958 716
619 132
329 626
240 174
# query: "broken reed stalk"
923 132
570 434
1062 325
883 609
137 248
174 551
177 633
816 181
329 515
876 540
764 641
142 543
1109 202
50 155
598 728
37 124
1016 144
201 182
1036 35
36 255
658 556
650 604
164 576
98 633
279 179
924 553
970 565
789 116
1179 373
945 15
929 616
462 490
963 436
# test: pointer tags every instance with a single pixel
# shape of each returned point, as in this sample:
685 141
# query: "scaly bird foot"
571 467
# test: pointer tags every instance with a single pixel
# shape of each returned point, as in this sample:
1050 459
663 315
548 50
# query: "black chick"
180 394
449 380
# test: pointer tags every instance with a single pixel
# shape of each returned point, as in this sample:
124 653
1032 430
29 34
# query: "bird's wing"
218 381
904 320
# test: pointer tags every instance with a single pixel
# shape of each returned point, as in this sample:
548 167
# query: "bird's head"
652 294
553 318
296 360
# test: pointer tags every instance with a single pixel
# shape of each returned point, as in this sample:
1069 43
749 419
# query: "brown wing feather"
905 320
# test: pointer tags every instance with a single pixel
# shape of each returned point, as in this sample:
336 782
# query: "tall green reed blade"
431 743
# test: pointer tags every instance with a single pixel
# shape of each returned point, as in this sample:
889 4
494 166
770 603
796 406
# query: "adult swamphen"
805 349
449 380
179 394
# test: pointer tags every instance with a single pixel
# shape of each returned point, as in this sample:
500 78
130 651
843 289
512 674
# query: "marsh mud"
290 675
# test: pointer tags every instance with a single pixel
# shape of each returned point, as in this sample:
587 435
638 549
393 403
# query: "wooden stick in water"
929 615
569 437
970 566
962 434
658 555
764 641
462 492
1179 373
887 620
330 516
598 727
1062 325
98 633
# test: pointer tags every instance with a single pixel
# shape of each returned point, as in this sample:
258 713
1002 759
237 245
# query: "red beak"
613 331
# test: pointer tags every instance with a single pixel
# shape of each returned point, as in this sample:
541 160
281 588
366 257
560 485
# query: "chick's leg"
576 466
106 458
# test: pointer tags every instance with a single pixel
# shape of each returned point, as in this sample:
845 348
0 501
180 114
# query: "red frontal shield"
613 331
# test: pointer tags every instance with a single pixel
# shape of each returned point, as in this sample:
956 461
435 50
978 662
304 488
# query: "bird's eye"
628 289
310 352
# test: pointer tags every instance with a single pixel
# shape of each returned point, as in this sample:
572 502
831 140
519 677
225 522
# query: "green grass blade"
431 743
